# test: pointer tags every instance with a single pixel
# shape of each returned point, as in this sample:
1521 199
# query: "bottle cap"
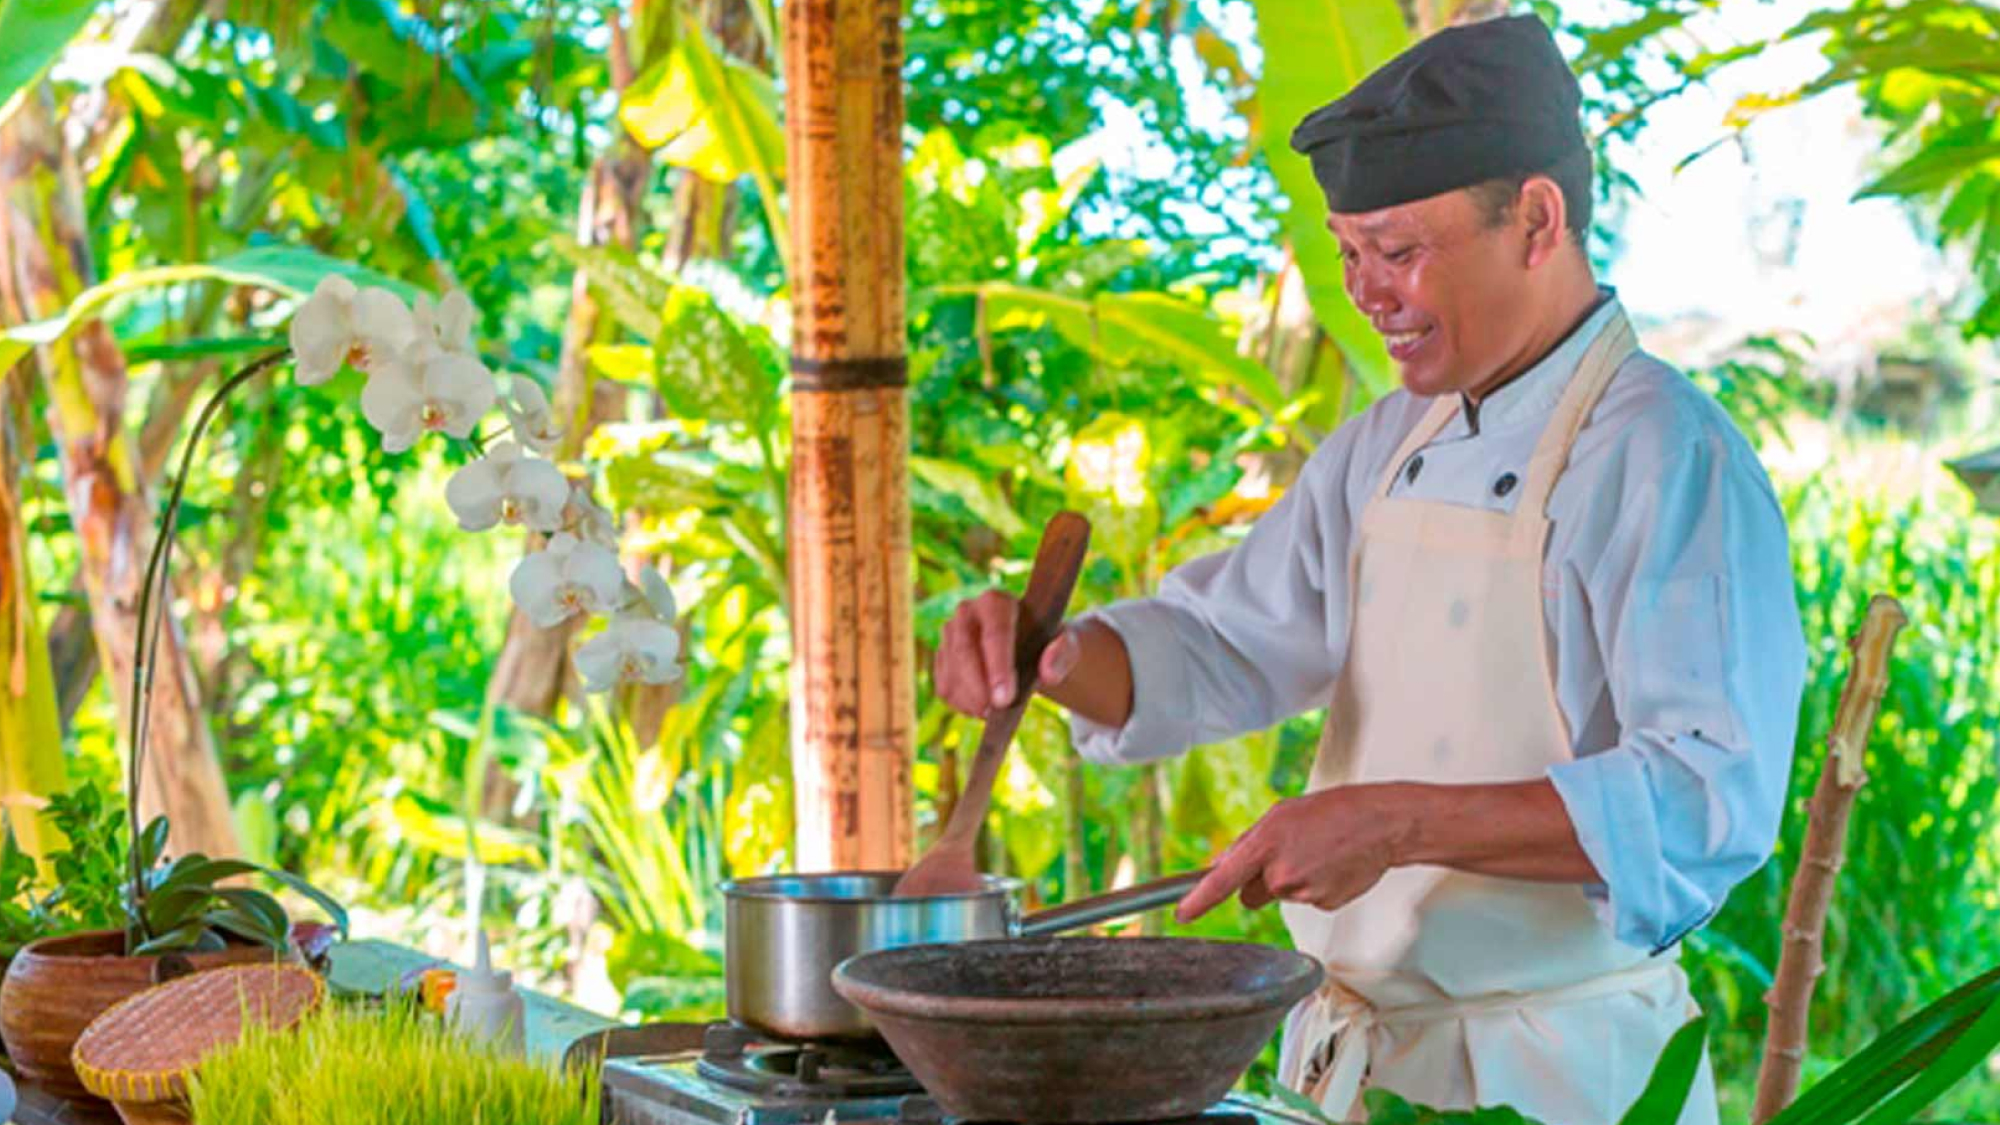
483 977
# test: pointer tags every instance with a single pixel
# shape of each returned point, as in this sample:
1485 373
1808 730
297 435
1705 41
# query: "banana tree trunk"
31 755
854 692
46 252
533 670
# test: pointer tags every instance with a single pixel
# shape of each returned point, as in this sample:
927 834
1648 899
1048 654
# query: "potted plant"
88 873
89 942
423 376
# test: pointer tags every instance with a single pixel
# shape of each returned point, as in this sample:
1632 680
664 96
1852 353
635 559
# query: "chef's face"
1451 292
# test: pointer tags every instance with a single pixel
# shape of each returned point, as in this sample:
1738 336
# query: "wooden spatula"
948 867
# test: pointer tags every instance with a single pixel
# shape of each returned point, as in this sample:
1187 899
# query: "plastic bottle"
486 1004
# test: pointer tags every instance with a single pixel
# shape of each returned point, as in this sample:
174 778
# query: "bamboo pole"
1802 959
854 687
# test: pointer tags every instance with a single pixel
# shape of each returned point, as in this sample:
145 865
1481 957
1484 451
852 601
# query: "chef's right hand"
974 667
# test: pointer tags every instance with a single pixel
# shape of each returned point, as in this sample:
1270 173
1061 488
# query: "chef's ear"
1544 216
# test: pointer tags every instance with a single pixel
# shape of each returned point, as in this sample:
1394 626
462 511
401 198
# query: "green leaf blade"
36 32
1674 1075
1315 51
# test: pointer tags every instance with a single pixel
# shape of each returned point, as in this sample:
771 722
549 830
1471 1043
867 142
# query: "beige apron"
1453 989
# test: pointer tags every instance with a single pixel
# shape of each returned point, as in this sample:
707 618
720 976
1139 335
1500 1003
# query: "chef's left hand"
1324 849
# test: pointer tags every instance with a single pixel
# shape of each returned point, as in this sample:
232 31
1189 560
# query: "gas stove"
723 1074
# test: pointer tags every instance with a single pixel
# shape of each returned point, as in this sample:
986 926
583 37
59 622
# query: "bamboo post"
853 677
1802 960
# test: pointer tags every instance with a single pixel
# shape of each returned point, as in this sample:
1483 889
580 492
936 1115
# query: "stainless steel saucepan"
785 934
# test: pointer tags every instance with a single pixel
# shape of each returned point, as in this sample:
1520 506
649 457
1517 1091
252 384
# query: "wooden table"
360 968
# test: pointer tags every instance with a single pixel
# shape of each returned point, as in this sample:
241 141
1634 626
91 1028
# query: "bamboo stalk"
1802 959
853 704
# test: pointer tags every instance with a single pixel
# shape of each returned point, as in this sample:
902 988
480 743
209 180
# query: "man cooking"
1543 592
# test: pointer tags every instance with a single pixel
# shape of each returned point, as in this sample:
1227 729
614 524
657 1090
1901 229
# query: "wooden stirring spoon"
948 867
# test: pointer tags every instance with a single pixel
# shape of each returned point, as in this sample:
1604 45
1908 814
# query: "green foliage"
187 907
1673 1078
357 1066
1763 383
88 870
1909 1066
288 270
1925 72
1385 1108
1133 328
348 630
1314 52
1928 71
982 71
1920 850
35 31
712 114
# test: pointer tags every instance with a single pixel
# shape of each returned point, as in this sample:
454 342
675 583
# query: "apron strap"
1607 352
1614 343
1443 409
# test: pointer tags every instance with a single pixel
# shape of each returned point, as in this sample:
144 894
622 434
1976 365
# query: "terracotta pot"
56 986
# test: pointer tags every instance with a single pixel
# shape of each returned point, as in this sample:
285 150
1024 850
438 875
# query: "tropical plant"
344 632
423 377
88 869
307 1076
182 905
1920 855
185 905
1924 70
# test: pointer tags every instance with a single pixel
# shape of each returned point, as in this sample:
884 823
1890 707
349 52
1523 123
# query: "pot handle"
1103 908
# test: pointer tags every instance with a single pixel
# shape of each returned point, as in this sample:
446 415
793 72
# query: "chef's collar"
1533 393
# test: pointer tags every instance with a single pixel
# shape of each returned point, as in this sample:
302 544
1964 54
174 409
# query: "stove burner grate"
738 1058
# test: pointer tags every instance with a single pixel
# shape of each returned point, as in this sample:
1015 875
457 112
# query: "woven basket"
139 1054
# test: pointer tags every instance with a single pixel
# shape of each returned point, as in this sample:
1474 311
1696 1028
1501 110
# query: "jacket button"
1505 484
1416 466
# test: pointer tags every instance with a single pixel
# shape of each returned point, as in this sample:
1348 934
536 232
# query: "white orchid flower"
632 649
650 597
586 519
339 323
527 407
506 486
567 577
426 390
659 596
446 325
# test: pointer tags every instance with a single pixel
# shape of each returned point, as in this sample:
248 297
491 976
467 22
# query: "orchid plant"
424 376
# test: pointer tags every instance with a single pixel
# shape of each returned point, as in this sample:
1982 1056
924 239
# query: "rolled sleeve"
1705 662
1240 639
1162 719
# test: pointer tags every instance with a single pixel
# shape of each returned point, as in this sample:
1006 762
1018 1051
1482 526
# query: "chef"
1543 592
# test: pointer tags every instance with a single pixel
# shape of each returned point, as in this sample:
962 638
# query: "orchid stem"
152 621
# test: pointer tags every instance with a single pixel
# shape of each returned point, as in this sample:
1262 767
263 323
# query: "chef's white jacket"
1668 599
